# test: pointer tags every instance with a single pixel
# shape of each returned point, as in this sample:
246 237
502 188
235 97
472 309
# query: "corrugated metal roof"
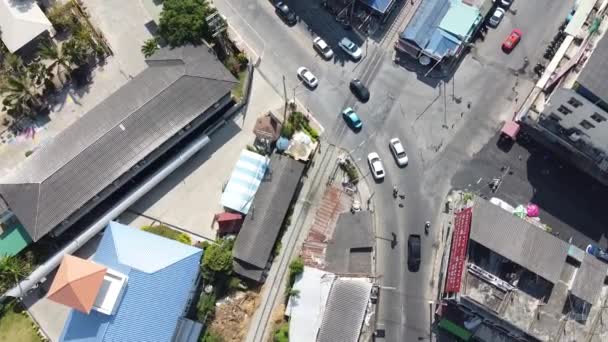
261 227
244 181
249 271
594 74
53 183
589 279
425 21
460 19
152 303
345 311
528 245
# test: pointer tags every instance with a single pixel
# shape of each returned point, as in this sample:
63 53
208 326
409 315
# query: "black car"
359 90
286 13
413 253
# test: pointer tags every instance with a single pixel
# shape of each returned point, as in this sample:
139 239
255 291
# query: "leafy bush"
242 59
351 172
61 17
169 233
295 268
287 130
282 333
205 308
210 336
234 283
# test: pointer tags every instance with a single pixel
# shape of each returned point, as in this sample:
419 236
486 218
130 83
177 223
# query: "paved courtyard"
190 197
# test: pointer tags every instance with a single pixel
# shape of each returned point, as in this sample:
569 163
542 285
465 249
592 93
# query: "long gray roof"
53 183
594 74
261 227
345 310
526 245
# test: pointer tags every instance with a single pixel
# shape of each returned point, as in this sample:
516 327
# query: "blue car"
352 119
597 252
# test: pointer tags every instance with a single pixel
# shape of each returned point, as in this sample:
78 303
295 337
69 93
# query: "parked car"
359 90
398 151
375 164
496 18
597 252
286 13
506 3
512 40
322 48
413 252
351 118
350 48
307 77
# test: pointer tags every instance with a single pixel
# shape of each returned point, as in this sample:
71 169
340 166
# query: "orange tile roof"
77 283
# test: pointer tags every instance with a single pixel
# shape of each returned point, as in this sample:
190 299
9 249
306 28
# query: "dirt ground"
233 315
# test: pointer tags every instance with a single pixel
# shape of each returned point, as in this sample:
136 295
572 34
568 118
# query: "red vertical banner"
458 253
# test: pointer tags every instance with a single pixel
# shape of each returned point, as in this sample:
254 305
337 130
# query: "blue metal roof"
161 274
425 21
379 5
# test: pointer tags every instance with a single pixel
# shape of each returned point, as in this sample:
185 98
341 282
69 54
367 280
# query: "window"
586 124
574 102
564 110
554 117
598 118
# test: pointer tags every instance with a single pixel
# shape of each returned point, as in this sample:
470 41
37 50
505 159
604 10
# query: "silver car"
350 48
307 77
398 151
322 48
375 164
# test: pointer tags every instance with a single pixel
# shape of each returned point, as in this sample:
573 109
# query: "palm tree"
20 95
41 76
12 270
13 64
77 51
150 47
59 59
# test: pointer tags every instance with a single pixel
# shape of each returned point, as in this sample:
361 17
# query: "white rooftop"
20 22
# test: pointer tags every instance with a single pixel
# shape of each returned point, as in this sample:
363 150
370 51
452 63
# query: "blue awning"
244 181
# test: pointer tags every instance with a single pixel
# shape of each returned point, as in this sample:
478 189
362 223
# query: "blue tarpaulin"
244 181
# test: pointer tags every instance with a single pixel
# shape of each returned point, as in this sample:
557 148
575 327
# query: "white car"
350 48
496 17
307 77
398 151
322 48
375 164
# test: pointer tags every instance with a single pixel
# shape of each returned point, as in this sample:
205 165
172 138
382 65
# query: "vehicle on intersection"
512 40
286 13
352 119
350 48
307 77
413 252
375 164
398 151
322 48
359 90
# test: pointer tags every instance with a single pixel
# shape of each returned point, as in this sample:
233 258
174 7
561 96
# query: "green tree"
210 336
60 61
282 333
20 95
77 51
41 76
13 64
61 17
150 47
183 21
218 257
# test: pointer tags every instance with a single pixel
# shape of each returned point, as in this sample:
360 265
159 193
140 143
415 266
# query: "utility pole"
284 97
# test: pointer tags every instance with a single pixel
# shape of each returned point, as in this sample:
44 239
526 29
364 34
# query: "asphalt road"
442 122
